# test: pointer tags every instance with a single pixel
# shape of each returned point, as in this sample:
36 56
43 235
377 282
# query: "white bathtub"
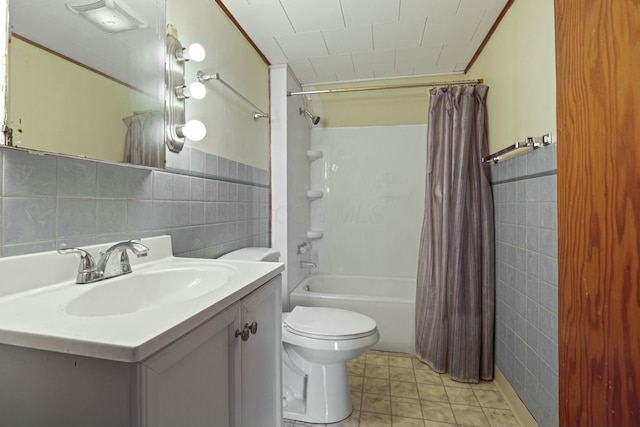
389 301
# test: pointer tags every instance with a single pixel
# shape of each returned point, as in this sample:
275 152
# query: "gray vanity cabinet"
209 377
217 376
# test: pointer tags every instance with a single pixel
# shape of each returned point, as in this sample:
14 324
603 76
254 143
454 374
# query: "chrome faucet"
89 271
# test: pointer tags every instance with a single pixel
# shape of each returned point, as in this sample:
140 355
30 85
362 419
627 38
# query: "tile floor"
397 390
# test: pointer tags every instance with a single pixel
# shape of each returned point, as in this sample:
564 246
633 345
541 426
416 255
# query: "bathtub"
389 301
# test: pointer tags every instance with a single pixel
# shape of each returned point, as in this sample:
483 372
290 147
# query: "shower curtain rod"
366 88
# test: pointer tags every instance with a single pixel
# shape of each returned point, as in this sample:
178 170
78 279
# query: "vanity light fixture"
195 90
176 92
112 16
195 52
194 130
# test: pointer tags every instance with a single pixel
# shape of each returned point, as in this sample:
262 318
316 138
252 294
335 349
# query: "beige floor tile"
451 383
418 364
288 423
360 359
437 411
406 422
400 362
461 396
471 416
485 385
432 392
402 374
491 399
303 424
377 403
368 419
409 408
356 369
501 418
377 359
376 371
356 400
352 421
427 376
376 386
355 383
404 389
429 423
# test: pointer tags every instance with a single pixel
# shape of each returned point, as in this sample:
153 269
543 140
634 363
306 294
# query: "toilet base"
328 396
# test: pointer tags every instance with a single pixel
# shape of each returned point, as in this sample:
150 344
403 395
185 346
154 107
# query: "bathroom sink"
149 289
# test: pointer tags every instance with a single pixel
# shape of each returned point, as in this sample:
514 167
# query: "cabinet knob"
244 334
254 328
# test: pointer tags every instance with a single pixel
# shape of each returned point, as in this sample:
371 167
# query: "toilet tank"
253 254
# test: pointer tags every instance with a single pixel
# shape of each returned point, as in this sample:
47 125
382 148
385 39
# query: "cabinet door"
261 358
193 381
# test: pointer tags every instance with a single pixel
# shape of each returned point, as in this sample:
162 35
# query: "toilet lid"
329 322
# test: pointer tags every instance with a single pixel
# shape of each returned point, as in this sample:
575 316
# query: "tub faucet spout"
308 264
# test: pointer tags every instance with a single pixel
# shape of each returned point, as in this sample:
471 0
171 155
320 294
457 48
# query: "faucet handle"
87 269
87 262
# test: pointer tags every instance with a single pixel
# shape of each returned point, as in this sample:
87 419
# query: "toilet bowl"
317 342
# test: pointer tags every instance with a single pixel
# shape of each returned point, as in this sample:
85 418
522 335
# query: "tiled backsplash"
208 204
525 197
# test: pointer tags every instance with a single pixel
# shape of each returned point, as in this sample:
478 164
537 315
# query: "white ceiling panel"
367 12
328 65
415 9
425 56
390 36
346 76
303 45
349 40
379 60
381 38
261 20
314 15
456 29
303 69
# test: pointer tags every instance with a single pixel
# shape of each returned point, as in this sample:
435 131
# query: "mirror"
86 78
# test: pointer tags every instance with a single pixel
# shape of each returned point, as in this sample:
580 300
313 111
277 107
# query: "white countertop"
34 314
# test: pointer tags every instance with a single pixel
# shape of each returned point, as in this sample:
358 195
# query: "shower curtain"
456 284
144 142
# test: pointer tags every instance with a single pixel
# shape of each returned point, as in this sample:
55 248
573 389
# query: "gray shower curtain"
455 285
144 141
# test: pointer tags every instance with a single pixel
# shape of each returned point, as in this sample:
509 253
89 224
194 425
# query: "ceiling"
325 41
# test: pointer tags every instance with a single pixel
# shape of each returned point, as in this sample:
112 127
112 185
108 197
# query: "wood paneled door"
598 99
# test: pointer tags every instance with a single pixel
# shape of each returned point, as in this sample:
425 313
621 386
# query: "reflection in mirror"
79 89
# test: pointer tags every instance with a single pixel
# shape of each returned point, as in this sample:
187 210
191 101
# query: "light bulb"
193 129
196 90
195 52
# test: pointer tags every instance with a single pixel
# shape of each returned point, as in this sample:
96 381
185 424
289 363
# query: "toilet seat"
328 323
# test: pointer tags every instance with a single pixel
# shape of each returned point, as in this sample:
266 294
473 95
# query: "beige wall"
518 64
231 130
52 99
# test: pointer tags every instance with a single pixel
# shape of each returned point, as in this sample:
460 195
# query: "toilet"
317 342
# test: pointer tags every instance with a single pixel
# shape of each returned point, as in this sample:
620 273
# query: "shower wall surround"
290 140
525 198
373 181
210 205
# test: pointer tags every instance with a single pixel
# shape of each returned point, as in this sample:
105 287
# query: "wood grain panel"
598 101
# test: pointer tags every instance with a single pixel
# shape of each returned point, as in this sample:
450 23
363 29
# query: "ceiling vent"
112 16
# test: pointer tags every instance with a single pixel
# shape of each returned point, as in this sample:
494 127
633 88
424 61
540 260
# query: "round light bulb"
194 130
196 52
197 90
